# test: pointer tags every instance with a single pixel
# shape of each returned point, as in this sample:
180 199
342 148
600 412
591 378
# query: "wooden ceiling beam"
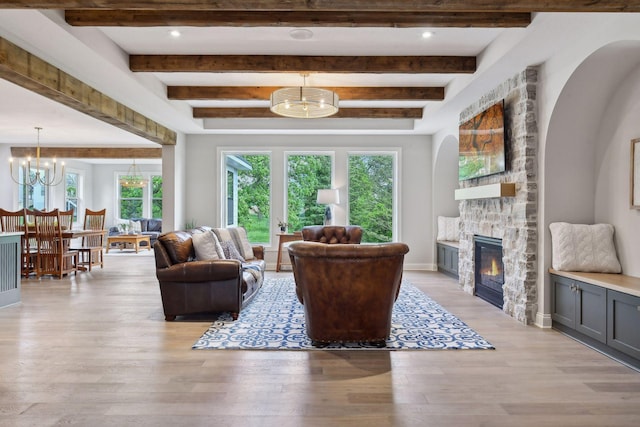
214 18
88 153
343 113
302 64
339 5
30 72
263 93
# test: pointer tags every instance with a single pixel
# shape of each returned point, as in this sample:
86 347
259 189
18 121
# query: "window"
248 194
130 202
307 173
371 195
156 196
140 202
32 197
71 193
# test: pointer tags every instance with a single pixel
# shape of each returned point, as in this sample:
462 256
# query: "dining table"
68 235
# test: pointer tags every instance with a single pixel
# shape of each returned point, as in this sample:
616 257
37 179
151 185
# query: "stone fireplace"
512 220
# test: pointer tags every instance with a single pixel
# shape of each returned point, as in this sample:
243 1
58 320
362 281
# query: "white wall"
619 125
203 176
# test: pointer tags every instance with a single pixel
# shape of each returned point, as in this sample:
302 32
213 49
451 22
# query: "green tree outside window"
371 196
307 173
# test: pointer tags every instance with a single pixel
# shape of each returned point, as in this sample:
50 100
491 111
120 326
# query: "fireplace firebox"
489 270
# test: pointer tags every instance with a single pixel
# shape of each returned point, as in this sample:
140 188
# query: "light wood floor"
94 350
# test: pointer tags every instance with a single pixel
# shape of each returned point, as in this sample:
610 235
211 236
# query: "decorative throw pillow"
237 235
204 245
136 226
122 224
230 251
448 228
582 247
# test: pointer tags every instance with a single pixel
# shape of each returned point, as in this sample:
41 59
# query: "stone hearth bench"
601 310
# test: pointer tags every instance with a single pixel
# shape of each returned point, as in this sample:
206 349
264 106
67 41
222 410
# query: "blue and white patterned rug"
274 320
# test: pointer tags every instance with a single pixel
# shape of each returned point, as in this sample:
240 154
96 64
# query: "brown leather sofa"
348 290
189 287
332 234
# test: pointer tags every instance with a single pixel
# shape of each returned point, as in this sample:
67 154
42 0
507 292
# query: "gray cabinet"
447 259
10 263
600 317
623 323
580 306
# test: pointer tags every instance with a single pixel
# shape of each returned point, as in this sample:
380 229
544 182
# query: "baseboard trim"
543 320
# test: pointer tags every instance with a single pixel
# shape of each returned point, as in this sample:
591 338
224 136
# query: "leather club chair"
332 233
348 290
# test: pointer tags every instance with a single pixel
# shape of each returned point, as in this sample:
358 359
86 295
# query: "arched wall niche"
586 152
445 180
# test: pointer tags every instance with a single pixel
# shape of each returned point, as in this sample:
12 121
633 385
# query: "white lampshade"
328 197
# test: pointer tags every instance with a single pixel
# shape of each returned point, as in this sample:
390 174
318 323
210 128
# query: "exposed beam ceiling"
89 153
299 64
341 5
264 93
211 18
26 70
343 113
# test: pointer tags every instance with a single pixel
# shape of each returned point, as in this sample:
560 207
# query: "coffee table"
122 239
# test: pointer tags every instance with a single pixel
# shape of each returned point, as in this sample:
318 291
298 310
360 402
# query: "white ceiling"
99 57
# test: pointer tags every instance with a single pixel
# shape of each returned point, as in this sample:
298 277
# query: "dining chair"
15 221
53 256
90 251
66 219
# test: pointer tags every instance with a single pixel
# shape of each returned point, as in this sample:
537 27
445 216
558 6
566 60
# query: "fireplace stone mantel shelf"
503 189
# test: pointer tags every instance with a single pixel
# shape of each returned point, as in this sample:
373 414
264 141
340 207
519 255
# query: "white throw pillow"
136 226
205 246
583 247
122 224
448 228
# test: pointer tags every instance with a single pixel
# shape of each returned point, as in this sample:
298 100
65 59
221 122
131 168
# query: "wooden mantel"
503 189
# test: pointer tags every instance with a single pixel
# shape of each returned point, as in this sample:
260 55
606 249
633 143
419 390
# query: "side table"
282 239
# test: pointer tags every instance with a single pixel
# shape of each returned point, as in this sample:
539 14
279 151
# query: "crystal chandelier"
304 102
133 178
42 175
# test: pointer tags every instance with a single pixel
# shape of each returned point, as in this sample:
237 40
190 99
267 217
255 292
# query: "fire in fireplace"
489 270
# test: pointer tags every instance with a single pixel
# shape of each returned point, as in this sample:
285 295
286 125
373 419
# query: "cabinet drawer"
623 324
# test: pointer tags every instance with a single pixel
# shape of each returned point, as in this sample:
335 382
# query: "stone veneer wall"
512 219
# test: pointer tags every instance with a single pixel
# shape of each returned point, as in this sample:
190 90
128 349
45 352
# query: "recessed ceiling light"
301 34
174 33
427 34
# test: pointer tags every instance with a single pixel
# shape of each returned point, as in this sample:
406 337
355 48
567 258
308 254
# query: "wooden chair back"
66 219
94 220
48 232
13 221
53 257
16 221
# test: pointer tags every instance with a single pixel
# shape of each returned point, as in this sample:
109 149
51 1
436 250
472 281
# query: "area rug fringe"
275 321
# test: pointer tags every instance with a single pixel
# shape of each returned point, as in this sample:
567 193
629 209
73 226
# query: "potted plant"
283 226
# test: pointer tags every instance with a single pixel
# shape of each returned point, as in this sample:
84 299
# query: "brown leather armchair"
348 290
188 286
332 233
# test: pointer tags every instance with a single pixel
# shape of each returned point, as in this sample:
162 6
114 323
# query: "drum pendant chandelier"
304 102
